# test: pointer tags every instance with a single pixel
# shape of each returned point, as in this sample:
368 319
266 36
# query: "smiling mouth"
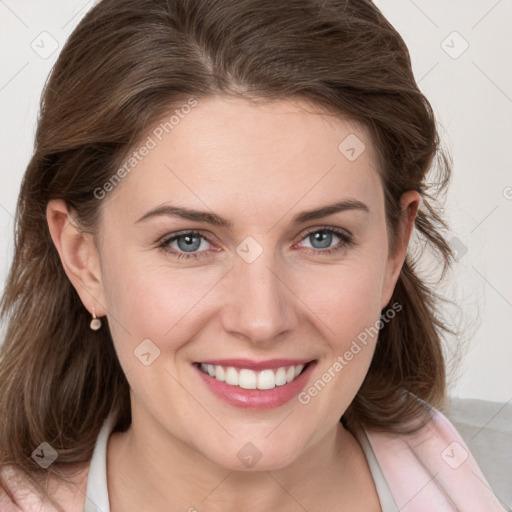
249 379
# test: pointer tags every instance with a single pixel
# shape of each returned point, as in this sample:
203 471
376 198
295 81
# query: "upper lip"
251 364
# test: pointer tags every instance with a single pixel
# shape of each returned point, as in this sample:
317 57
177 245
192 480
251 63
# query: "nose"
260 305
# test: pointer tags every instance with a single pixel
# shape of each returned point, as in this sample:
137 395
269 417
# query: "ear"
78 255
409 204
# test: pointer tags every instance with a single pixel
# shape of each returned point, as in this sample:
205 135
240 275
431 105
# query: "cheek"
148 300
352 310
344 298
348 312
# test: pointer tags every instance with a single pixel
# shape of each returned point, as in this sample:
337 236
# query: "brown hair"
126 65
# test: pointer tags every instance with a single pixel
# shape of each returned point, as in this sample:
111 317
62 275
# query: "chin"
255 456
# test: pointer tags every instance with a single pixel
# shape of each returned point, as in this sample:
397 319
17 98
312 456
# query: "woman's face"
260 286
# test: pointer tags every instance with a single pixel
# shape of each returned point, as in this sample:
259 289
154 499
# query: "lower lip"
257 398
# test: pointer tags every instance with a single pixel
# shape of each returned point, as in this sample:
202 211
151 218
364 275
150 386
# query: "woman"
211 271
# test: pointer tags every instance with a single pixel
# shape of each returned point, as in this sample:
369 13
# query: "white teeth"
266 379
298 369
219 373
231 377
280 377
247 379
250 379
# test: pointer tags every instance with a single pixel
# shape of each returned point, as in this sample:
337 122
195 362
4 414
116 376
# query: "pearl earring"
95 322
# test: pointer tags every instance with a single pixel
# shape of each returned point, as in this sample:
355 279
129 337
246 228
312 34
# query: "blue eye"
188 243
324 237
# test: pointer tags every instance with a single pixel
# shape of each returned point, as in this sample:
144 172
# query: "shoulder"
432 466
71 495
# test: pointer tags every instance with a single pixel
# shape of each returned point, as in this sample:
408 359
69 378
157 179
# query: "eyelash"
346 242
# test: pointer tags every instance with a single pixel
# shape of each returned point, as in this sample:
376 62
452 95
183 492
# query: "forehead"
229 152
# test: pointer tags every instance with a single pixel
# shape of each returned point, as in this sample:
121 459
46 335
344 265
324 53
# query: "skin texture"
257 166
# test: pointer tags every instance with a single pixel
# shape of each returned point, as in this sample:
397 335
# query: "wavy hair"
126 65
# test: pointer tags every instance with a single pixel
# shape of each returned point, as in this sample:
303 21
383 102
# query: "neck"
148 470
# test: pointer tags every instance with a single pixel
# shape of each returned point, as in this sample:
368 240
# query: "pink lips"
256 398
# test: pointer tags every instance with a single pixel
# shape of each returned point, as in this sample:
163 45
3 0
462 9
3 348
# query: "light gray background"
471 94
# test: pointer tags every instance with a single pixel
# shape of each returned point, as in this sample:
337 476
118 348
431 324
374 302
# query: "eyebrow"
217 220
